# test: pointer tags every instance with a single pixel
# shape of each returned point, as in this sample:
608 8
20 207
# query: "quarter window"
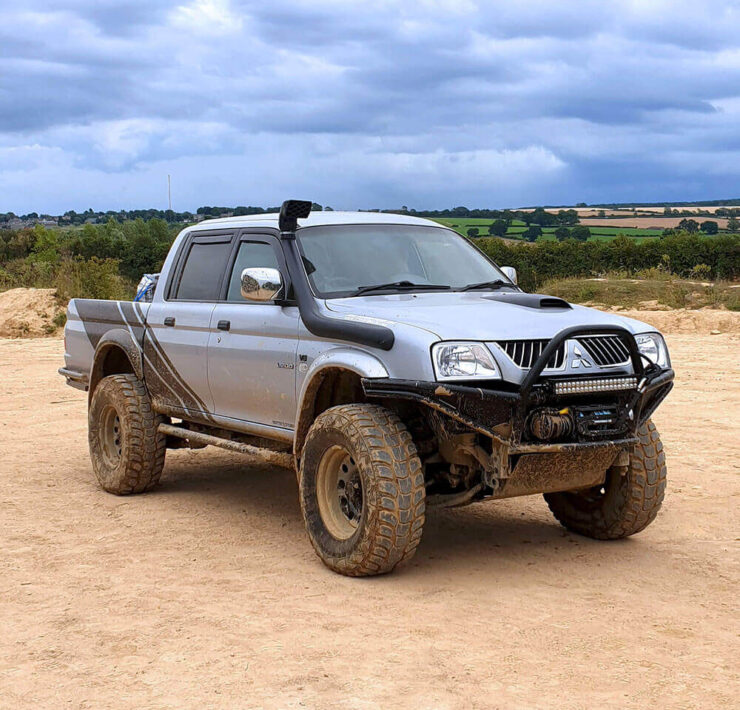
203 271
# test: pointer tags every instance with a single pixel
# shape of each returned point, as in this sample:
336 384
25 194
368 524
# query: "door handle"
169 321
224 325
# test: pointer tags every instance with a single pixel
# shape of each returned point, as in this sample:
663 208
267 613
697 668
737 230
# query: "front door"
252 355
176 341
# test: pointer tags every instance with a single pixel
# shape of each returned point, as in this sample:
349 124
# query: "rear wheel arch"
116 354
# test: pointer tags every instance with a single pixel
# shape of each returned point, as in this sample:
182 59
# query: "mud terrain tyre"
126 448
361 490
624 504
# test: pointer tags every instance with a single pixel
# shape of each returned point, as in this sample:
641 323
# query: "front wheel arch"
329 387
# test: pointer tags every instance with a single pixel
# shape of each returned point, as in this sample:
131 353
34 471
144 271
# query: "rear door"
176 343
252 364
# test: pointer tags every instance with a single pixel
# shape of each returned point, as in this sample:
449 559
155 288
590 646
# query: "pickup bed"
400 366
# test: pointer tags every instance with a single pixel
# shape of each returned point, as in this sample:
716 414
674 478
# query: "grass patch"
663 290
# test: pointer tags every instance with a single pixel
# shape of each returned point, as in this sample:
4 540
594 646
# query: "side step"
197 437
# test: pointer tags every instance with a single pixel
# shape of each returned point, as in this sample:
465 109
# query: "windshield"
341 260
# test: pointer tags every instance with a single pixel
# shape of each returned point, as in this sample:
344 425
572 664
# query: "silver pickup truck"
400 366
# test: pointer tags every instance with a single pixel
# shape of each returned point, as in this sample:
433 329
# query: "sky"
366 104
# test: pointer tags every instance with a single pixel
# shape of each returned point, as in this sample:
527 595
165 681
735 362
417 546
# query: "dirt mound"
29 313
705 321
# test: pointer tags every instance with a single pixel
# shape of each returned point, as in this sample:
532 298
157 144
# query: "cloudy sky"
360 103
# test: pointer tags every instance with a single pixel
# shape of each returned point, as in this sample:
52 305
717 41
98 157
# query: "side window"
249 254
202 274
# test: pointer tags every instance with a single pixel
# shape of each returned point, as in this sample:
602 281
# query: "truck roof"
316 219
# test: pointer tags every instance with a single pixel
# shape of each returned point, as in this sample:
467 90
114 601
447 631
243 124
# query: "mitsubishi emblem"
578 358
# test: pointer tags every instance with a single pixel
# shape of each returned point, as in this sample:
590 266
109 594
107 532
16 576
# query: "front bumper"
502 414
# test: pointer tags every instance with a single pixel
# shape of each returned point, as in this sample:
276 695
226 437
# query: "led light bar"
587 386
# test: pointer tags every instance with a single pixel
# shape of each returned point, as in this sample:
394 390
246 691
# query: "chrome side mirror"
261 283
509 272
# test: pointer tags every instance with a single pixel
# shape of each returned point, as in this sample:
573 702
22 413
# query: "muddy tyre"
362 490
126 448
624 504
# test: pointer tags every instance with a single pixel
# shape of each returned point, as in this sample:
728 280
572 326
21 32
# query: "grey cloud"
118 86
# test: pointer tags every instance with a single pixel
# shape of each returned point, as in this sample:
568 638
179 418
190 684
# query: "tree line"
106 260
500 227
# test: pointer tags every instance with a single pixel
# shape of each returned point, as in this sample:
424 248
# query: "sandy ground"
28 312
206 593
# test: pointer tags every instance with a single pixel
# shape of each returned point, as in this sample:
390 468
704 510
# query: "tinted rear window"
204 268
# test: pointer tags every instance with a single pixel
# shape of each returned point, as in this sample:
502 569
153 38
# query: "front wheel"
362 490
626 503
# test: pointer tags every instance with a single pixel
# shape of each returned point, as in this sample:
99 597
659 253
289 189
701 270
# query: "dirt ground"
206 593
28 312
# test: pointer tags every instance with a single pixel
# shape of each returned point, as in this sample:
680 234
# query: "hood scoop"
529 300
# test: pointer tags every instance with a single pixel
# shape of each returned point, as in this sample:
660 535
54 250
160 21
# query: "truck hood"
481 315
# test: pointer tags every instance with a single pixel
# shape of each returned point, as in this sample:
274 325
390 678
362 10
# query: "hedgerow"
679 254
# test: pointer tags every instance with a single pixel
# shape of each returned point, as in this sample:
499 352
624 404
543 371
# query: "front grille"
524 353
606 349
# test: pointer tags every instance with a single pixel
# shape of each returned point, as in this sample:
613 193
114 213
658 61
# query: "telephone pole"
169 192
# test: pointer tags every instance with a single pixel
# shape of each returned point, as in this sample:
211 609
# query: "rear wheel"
626 503
362 490
126 448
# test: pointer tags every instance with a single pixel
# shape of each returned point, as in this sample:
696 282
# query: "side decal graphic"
98 317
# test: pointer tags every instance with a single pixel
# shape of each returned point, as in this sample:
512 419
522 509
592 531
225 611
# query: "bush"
701 271
71 277
92 278
498 228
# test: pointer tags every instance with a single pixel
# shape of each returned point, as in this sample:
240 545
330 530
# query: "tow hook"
622 462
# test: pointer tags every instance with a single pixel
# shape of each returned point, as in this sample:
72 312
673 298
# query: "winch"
550 424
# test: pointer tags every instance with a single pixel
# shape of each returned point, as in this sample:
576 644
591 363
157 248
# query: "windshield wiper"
402 285
497 284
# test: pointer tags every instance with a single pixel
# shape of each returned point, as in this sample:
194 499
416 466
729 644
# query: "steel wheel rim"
111 436
339 492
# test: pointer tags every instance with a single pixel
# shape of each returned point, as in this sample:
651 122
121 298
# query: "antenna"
169 191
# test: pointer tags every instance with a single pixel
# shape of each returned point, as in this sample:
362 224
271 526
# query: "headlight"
462 361
653 347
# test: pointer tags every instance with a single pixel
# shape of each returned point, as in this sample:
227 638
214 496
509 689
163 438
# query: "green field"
517 228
